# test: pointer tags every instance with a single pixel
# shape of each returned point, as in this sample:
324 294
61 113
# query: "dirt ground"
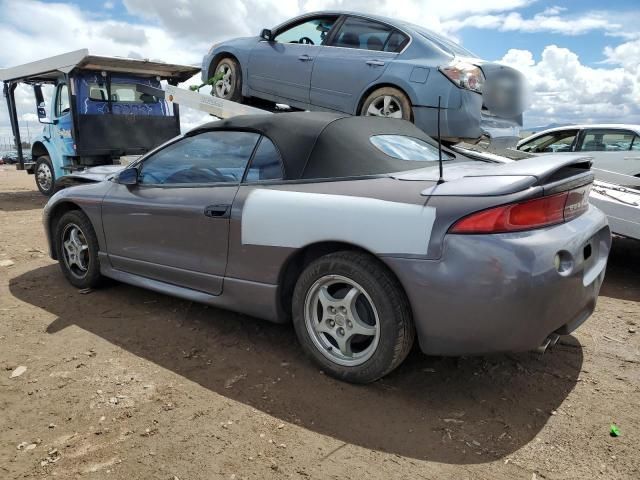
123 383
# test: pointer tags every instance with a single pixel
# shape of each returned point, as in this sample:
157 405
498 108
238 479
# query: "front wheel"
387 102
77 249
45 176
352 316
229 86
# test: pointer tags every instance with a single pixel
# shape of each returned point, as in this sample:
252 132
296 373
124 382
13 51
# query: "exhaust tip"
550 341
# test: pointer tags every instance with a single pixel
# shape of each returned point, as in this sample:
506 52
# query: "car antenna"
441 178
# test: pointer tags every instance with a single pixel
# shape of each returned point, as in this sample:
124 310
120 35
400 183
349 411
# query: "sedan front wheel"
352 316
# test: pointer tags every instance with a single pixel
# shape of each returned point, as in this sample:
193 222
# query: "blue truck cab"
100 110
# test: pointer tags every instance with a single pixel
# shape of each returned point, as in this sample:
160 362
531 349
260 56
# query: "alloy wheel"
75 250
342 320
385 106
224 86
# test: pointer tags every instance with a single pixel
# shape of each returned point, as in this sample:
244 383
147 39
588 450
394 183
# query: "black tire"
90 278
45 176
395 323
234 84
398 97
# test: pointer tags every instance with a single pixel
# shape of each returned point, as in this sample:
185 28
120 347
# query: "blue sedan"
369 65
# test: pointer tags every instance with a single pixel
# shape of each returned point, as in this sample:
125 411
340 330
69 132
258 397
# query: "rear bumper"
468 121
499 293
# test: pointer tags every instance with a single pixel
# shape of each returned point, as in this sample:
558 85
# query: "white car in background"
614 148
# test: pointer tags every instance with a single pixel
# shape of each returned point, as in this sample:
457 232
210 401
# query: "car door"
357 55
60 131
283 66
173 225
612 150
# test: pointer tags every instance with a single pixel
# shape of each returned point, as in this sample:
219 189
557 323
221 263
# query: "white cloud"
550 20
566 91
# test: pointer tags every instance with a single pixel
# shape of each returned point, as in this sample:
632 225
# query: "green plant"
212 81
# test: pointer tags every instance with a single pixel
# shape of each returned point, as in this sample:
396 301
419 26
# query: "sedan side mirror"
128 176
266 34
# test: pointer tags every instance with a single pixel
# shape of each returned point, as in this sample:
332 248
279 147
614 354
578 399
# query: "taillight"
536 213
464 75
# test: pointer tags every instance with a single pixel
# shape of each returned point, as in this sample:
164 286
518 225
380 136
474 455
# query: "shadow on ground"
22 200
622 280
459 411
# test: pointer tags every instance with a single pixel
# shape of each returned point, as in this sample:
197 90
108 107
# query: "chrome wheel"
75 250
224 86
385 106
342 320
44 177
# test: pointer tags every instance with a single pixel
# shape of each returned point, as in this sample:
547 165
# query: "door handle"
305 58
217 211
375 63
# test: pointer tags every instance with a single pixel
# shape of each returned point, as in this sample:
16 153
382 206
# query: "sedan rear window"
407 148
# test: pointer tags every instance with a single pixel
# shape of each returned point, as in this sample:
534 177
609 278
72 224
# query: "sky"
580 57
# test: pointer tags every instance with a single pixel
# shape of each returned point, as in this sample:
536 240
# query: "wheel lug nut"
331 323
349 324
341 331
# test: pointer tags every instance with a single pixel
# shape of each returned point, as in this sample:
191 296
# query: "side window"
396 42
363 34
313 32
62 101
266 163
552 143
607 141
635 146
209 157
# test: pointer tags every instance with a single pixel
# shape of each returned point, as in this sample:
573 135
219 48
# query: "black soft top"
326 145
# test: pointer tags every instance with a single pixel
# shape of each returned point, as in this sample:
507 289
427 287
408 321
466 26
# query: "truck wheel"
352 316
387 102
45 176
77 249
230 87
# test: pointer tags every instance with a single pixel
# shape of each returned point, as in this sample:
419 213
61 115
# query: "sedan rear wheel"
352 316
387 102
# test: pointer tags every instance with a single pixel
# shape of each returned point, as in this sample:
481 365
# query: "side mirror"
266 34
128 176
41 105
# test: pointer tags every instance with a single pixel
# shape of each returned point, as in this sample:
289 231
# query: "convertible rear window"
407 148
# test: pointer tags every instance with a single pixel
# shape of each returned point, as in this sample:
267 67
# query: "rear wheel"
230 86
387 102
352 317
45 176
77 249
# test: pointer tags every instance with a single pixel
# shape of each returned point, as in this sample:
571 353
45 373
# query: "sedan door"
357 55
283 66
173 225
615 153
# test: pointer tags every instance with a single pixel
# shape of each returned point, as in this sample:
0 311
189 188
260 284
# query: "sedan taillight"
464 75
528 215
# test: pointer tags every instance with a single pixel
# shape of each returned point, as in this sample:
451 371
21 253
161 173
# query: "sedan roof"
327 145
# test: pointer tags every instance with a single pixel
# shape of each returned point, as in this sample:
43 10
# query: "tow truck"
102 111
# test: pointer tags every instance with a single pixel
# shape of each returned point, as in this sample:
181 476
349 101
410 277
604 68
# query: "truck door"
60 137
173 226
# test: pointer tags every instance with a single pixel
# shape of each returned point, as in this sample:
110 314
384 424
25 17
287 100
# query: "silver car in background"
613 148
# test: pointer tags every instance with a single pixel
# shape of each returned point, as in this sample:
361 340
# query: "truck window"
62 101
120 92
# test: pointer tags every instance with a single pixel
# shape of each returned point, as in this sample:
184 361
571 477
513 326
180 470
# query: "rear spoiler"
554 173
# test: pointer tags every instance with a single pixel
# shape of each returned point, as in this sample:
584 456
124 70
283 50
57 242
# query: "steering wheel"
306 41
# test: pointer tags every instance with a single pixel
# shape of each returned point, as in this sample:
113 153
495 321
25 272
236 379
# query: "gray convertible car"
371 65
341 225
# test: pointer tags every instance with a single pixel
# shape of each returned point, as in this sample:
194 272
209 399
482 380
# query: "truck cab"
99 111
